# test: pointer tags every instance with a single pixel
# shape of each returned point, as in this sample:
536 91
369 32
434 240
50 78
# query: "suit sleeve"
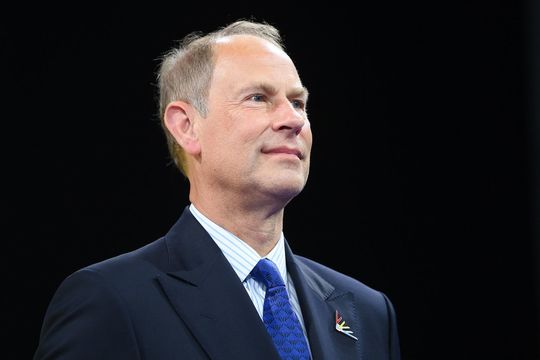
393 338
87 319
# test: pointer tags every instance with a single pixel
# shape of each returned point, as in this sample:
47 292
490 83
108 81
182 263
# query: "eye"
257 97
298 104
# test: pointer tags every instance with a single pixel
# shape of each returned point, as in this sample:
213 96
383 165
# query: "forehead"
240 58
243 44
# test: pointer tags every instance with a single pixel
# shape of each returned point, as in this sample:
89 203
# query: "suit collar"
208 296
319 301
240 255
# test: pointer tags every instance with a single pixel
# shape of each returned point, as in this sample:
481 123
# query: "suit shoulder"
340 280
149 259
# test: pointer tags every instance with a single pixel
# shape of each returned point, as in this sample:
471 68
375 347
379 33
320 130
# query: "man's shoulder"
143 262
338 279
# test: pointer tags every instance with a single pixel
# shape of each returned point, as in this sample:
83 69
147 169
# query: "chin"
287 188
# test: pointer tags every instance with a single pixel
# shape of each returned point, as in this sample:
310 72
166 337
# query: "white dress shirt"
243 259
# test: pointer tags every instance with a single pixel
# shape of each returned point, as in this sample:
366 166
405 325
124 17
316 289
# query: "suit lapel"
319 301
208 296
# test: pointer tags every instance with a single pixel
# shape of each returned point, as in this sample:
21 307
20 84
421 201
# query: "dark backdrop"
422 180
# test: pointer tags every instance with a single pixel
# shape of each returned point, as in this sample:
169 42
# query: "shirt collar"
240 255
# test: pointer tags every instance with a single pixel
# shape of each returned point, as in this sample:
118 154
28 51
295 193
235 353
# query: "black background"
422 182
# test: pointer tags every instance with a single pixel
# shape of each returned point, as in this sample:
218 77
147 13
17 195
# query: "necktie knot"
267 272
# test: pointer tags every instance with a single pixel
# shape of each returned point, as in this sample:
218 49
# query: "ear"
180 120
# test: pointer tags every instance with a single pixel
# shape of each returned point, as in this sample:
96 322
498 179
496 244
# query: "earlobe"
180 119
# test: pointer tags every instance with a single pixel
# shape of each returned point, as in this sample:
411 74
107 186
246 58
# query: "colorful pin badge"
342 327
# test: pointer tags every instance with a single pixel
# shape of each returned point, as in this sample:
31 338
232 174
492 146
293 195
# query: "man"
234 112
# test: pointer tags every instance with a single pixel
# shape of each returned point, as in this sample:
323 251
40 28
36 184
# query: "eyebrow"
272 90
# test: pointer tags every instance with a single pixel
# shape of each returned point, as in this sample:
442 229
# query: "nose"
288 117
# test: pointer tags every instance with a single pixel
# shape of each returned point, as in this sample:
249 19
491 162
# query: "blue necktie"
278 316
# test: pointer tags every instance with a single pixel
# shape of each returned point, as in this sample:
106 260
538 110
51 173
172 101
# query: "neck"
258 226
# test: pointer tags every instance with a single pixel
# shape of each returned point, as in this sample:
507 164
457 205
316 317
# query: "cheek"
236 149
235 138
307 136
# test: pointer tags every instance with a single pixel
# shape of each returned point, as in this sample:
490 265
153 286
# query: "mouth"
285 151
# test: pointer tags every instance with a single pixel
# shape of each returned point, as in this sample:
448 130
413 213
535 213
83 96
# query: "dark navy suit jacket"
179 298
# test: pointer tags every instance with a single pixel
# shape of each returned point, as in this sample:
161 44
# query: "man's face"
256 139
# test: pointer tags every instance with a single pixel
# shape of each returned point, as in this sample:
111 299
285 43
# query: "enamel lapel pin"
342 327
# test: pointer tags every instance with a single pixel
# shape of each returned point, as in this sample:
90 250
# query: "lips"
284 150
